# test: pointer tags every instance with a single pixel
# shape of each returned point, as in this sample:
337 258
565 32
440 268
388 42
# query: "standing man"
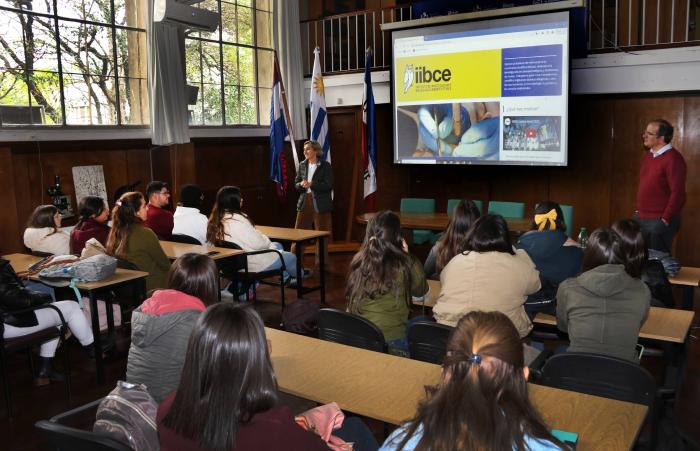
661 192
159 219
314 180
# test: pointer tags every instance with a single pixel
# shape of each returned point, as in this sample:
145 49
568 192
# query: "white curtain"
166 82
287 42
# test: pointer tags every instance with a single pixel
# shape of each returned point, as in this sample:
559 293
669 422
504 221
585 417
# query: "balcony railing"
613 25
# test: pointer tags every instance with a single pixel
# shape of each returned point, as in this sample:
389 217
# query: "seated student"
92 223
188 220
482 402
451 243
555 255
130 240
14 296
384 278
42 233
158 218
227 222
603 309
652 271
489 275
161 326
227 396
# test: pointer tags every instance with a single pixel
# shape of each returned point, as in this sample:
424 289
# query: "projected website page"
490 92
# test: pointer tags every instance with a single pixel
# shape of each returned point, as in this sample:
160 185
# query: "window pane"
133 101
92 10
12 49
14 98
264 98
246 66
212 104
41 45
263 4
229 25
98 60
245 2
194 112
211 71
231 76
265 68
245 25
263 21
45 91
131 13
131 53
37 7
193 67
89 100
233 110
249 111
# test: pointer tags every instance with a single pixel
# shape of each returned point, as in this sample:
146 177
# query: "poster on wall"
89 181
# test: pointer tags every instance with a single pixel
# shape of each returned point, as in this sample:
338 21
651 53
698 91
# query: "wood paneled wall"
600 180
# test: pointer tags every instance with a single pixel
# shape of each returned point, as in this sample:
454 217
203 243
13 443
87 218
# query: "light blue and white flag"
319 117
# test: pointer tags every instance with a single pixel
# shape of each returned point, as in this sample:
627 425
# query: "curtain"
287 41
166 82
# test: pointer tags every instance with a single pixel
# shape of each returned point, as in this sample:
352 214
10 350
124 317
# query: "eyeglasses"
164 193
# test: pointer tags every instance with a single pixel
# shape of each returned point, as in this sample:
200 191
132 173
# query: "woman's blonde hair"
123 218
316 146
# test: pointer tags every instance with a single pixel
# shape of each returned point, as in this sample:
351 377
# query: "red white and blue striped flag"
369 154
278 133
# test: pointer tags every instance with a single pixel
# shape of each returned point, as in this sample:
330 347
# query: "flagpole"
287 116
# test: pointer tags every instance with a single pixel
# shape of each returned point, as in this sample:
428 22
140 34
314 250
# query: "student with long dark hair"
130 240
482 402
161 326
603 309
451 243
92 223
227 395
228 222
384 278
556 256
488 275
42 233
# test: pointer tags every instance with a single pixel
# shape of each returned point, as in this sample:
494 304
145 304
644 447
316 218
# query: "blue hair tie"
474 358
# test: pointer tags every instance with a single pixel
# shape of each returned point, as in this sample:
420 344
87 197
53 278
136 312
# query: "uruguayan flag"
319 117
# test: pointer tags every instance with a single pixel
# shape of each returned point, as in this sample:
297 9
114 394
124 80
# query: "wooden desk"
21 262
439 221
688 278
388 388
300 236
664 324
176 250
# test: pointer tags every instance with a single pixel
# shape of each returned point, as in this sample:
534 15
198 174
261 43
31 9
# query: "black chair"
348 329
63 437
427 341
182 238
26 343
604 376
235 269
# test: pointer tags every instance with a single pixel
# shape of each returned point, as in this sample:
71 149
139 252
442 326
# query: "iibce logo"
422 74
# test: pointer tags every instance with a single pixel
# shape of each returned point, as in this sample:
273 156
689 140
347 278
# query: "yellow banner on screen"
448 76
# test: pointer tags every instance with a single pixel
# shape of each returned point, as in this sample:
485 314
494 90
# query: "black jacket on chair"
14 296
321 186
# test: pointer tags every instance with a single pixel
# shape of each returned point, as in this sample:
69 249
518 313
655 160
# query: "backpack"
128 414
68 273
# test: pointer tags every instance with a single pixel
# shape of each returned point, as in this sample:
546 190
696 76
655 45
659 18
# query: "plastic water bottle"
583 238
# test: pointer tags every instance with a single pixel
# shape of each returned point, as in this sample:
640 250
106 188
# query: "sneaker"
306 273
291 282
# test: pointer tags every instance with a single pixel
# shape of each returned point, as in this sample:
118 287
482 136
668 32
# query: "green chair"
568 211
418 205
452 202
514 210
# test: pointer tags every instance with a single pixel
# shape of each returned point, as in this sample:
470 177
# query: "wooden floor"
35 403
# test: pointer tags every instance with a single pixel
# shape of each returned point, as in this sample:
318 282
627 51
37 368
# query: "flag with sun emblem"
319 118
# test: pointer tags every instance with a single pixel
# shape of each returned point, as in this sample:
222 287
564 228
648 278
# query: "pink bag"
102 313
321 421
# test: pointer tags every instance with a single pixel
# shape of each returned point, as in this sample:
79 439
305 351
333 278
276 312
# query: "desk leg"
688 295
299 252
95 317
322 268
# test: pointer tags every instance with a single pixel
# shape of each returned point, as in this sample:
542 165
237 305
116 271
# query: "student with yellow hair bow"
556 256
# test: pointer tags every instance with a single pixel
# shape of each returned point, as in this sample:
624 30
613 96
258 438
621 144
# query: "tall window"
73 62
232 67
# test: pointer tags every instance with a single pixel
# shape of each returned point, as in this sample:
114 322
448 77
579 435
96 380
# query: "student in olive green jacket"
130 240
384 278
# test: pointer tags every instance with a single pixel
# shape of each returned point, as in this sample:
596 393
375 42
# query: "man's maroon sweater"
661 191
160 221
